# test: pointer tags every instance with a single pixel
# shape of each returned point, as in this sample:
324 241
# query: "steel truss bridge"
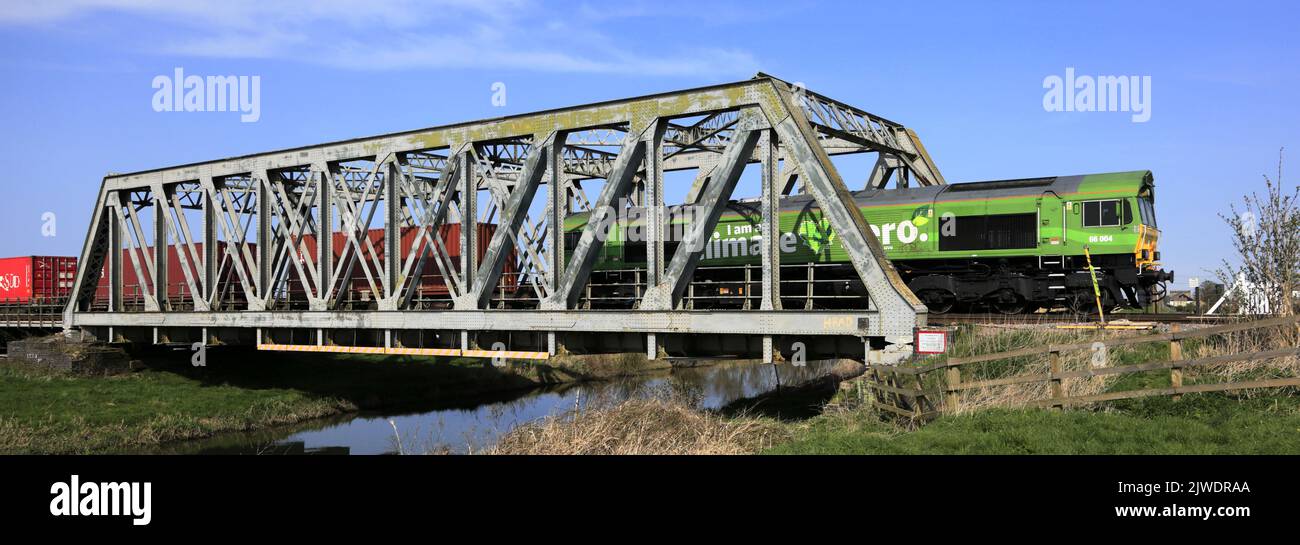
238 229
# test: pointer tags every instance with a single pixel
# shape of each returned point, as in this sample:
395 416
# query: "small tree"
1266 237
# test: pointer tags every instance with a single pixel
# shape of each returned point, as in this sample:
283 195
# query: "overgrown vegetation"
1197 424
988 422
1266 237
992 420
643 426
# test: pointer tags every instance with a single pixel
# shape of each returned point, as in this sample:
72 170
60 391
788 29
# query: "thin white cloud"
398 34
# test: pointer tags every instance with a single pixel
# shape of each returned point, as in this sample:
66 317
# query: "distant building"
1180 299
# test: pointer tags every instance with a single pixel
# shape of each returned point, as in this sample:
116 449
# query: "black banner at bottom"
145 495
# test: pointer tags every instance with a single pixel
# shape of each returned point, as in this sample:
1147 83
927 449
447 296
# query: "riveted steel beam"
427 242
770 211
807 324
170 214
887 291
665 294
617 186
504 237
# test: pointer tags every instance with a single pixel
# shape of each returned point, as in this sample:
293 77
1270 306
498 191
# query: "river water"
475 425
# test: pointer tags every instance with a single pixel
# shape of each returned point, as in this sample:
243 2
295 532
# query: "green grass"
50 413
239 390
1265 421
1197 424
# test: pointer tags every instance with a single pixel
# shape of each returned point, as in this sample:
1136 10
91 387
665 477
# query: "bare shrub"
1266 272
1266 238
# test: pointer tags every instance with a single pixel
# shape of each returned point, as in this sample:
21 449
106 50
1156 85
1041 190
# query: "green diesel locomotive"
1013 246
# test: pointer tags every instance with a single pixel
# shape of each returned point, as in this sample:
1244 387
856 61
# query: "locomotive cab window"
1147 208
1102 213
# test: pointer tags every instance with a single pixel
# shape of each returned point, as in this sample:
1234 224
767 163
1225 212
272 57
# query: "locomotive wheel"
938 301
1010 303
1086 303
1081 303
1017 307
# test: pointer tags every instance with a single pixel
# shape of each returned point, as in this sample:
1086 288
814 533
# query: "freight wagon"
432 285
358 291
36 279
178 292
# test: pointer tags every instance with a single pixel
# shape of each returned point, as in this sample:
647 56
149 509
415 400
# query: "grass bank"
1264 421
1261 421
43 412
167 400
1198 424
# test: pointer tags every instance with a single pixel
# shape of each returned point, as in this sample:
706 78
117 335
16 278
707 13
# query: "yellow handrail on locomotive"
1096 291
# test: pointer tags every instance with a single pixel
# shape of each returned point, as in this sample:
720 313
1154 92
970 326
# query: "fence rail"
903 390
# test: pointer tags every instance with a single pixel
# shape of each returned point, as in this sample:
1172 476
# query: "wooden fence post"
1175 354
953 376
921 398
1054 359
878 396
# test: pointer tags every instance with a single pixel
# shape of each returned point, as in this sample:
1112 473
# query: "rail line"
1070 318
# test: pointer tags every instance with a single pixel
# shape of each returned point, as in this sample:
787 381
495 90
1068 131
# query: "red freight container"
36 278
177 288
431 283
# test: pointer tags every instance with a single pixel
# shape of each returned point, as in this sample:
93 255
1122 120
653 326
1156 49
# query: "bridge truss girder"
248 256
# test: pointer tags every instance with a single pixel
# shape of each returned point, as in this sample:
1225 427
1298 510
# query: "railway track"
1070 318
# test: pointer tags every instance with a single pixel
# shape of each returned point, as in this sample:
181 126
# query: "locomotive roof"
1126 183
1083 186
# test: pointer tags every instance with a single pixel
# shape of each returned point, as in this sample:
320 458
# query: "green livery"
1033 217
1012 245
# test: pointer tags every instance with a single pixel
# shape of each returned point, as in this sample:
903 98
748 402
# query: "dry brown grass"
1015 395
1242 342
651 426
981 340
985 340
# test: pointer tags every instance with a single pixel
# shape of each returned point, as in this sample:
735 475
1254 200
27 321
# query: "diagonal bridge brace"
505 236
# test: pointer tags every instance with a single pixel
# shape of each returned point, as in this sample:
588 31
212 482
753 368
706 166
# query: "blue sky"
967 77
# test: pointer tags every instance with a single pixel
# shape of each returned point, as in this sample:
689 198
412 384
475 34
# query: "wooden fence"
908 390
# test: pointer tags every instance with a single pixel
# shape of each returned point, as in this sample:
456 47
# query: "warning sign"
931 341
